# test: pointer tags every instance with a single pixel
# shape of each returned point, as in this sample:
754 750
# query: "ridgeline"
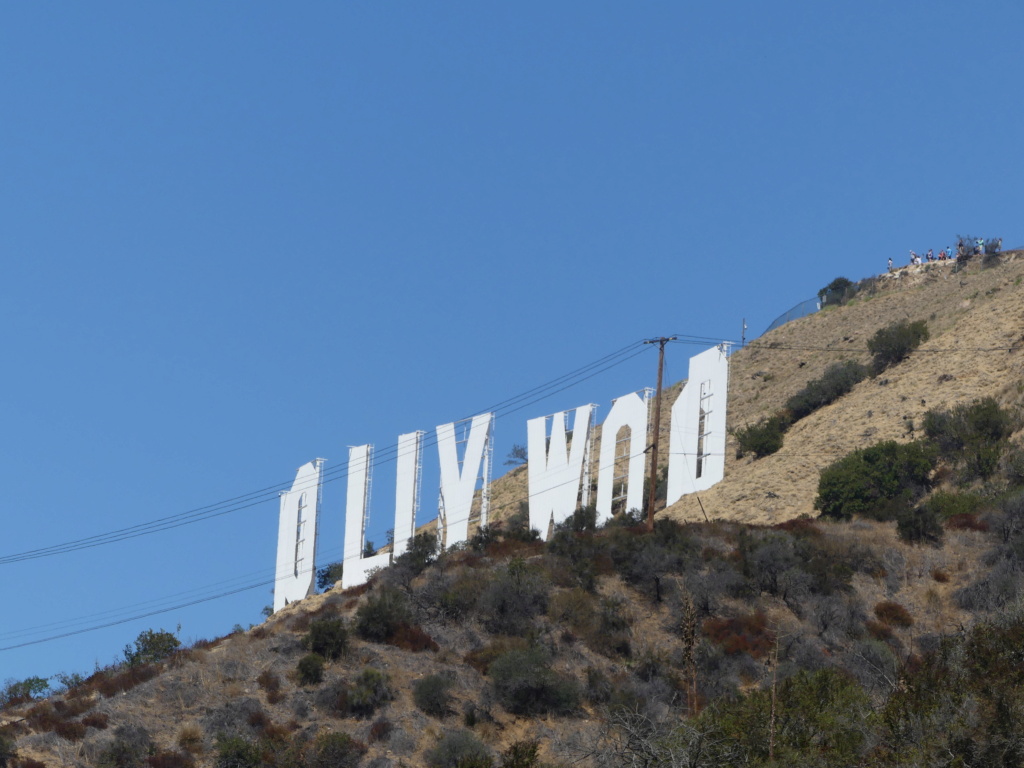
747 629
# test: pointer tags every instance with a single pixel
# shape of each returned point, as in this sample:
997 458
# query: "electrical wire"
386 455
115 619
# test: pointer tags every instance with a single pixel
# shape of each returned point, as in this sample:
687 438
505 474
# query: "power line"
386 455
147 613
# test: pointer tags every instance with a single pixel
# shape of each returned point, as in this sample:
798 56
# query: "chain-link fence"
804 308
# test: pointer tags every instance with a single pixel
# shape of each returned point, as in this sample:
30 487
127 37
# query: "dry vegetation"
513 652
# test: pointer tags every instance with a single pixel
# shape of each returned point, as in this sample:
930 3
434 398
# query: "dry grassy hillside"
976 349
669 624
967 312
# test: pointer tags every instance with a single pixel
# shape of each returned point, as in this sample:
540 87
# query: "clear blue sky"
234 238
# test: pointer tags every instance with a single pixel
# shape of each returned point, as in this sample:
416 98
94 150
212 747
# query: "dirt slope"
976 320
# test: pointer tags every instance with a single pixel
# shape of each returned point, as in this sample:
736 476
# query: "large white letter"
458 483
295 577
357 504
555 469
407 490
627 411
696 459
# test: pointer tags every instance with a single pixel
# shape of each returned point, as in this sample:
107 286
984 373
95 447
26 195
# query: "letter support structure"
298 520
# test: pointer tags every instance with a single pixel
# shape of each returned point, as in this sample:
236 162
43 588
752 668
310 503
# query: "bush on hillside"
972 436
23 691
431 694
236 752
370 691
382 614
361 698
329 575
895 342
421 552
525 684
327 637
311 669
763 438
836 381
945 505
876 482
335 750
838 292
582 520
510 601
919 525
459 749
151 647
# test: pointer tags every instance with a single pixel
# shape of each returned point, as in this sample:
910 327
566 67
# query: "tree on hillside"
878 482
894 343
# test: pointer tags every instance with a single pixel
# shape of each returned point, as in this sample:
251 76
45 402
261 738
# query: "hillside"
758 638
969 311
966 311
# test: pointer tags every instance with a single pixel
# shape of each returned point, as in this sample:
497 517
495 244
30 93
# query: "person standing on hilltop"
890 263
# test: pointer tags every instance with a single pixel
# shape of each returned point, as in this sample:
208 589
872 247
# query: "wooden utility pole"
653 485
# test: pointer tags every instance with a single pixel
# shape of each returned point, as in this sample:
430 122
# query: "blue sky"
236 238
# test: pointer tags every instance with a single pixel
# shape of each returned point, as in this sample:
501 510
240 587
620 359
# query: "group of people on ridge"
949 254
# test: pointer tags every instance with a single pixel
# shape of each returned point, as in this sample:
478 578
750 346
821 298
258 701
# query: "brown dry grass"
975 309
971 309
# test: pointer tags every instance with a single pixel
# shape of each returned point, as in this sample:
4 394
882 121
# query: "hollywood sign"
559 460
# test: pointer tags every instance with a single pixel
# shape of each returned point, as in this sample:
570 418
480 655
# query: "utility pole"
661 342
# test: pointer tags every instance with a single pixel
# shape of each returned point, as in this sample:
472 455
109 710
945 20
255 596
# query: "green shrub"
23 691
826 722
945 505
327 637
459 749
836 381
876 482
972 436
763 438
525 684
582 520
370 691
328 576
236 752
151 647
361 698
838 292
895 342
430 694
382 614
517 593
335 750
311 669
919 525
422 552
